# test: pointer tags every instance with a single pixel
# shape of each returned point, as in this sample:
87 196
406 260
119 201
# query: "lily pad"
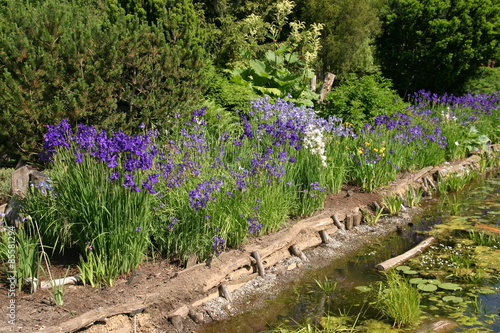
427 287
403 268
363 288
485 290
434 281
449 286
454 299
417 281
410 272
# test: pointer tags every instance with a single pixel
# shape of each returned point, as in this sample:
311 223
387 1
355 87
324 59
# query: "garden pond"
458 277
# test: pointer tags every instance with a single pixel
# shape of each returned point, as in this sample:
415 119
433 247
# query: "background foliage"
348 34
73 60
437 45
121 63
358 100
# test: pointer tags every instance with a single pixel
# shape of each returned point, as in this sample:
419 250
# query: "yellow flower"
382 149
360 151
367 143
375 150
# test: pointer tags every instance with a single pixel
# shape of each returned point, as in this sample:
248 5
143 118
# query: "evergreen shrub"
358 100
486 81
82 62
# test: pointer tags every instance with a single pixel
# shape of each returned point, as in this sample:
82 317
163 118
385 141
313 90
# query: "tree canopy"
437 44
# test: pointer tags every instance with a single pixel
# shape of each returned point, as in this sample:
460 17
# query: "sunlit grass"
399 301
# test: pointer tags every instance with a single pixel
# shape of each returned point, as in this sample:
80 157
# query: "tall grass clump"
222 187
216 178
399 301
201 189
430 131
99 198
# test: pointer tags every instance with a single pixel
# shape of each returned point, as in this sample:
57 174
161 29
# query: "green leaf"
410 272
292 58
485 290
403 268
268 91
449 286
417 281
273 58
427 287
363 288
453 299
259 67
434 281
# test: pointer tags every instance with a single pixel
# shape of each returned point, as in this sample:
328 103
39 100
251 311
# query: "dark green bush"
486 81
228 95
70 60
358 100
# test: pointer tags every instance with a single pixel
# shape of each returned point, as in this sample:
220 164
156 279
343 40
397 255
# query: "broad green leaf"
268 91
363 288
427 287
453 299
449 286
486 291
273 58
417 281
403 268
259 67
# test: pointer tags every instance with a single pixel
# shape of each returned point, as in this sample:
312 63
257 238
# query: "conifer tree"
437 44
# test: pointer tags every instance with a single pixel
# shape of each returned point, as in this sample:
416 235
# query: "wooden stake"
348 222
356 219
260 267
313 84
431 183
325 237
224 291
337 223
297 252
327 86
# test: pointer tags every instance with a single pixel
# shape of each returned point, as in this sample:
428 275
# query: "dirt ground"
162 296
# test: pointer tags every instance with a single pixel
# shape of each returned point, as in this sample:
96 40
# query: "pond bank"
167 298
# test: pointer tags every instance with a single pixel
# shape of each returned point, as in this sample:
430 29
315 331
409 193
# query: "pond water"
479 309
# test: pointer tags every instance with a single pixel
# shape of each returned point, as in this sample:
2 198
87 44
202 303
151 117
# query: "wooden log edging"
390 263
96 315
270 255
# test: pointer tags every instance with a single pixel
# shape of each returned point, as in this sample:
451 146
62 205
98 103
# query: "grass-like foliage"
413 196
393 203
485 239
217 178
399 300
372 217
109 189
456 181
94 201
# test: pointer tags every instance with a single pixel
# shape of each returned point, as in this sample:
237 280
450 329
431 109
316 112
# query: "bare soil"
166 297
